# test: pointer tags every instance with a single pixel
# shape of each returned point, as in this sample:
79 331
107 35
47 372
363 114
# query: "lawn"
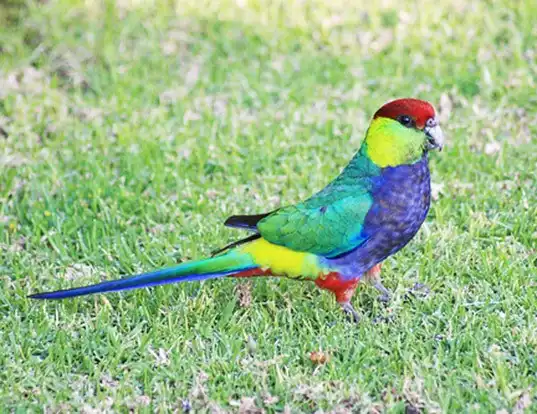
130 130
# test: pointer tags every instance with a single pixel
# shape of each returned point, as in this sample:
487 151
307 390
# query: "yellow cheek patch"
283 261
389 144
382 153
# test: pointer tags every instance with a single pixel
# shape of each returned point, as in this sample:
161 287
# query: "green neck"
388 143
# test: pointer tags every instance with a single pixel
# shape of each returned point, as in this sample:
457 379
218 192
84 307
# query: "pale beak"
435 136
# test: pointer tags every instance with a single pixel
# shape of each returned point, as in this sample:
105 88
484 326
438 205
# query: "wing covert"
324 229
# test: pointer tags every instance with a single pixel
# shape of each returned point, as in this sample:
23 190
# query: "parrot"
340 235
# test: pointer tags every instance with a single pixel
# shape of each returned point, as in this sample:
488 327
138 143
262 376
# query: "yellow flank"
283 261
391 144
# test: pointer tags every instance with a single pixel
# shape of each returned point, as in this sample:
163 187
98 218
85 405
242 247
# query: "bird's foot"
419 290
349 310
384 298
385 293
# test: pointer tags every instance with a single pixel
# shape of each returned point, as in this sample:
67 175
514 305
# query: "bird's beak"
435 137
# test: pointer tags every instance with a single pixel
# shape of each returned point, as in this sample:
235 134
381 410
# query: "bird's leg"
385 293
343 289
372 276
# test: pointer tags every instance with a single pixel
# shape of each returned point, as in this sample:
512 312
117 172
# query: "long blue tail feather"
212 268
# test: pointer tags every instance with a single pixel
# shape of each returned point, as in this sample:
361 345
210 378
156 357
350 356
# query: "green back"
330 222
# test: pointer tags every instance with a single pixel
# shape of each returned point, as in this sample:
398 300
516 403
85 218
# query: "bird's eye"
406 121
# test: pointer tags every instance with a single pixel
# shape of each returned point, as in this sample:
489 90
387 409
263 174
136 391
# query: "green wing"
326 230
330 222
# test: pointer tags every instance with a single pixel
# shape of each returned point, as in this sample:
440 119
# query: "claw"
385 293
419 290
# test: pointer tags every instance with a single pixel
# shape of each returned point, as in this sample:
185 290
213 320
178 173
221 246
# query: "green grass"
131 131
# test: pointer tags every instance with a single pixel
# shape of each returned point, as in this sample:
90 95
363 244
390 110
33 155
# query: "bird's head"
402 131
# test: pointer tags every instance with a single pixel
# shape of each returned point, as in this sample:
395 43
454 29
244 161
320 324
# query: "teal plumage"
330 222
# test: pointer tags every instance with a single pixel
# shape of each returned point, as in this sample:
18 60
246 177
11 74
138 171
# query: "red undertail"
342 289
253 273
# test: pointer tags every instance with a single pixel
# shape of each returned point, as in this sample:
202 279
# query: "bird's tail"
233 263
